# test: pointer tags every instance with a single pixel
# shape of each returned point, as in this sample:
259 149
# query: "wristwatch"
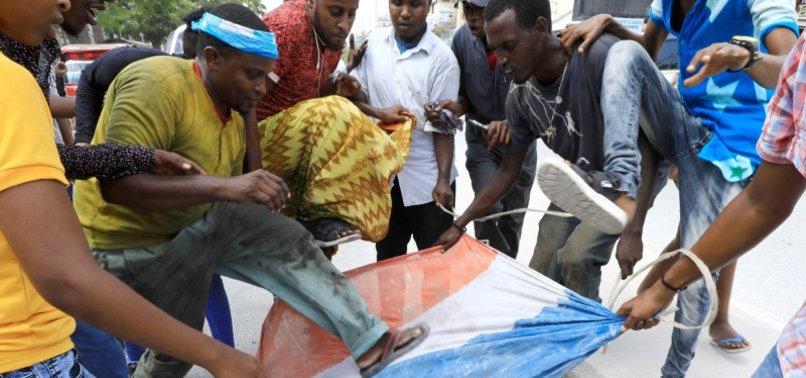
749 43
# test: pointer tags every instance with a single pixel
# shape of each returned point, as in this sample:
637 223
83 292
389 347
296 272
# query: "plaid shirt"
782 140
792 346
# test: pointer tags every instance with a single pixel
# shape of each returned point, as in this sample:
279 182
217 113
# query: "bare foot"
373 355
723 330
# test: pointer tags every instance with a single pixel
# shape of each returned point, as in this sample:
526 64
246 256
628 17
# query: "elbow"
62 290
118 193
773 210
112 192
775 213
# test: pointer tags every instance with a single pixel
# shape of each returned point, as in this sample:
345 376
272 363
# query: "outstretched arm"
746 221
588 31
720 57
500 184
156 193
63 271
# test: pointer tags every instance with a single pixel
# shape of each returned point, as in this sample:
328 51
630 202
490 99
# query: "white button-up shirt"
426 73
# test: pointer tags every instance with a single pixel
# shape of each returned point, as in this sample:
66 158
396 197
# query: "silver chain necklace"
558 99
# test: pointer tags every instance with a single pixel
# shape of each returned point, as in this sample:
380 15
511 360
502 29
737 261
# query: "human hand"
449 238
394 114
259 187
354 56
60 69
169 163
715 59
641 310
629 251
587 32
432 113
347 85
497 134
442 194
235 364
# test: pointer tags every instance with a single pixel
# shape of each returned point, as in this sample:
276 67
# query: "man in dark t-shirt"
557 98
482 100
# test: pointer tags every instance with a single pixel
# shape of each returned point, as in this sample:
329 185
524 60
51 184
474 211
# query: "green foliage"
153 20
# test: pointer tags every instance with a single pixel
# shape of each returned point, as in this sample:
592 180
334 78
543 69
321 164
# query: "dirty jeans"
250 244
503 234
65 365
635 94
572 253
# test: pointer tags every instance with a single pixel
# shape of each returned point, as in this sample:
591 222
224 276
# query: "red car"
77 57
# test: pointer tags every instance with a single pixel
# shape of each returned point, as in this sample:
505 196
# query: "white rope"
505 213
665 316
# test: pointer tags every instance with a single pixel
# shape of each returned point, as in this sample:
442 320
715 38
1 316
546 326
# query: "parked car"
76 57
173 44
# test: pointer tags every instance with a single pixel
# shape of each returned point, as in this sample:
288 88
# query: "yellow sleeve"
142 111
27 146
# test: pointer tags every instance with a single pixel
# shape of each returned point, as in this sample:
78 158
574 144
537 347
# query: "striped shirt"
781 140
792 346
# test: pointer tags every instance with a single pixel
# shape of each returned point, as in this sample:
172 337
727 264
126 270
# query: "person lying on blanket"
337 162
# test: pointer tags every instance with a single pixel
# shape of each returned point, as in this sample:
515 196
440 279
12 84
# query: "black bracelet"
751 45
670 287
461 229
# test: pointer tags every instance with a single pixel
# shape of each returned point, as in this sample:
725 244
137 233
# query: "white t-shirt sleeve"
771 14
656 13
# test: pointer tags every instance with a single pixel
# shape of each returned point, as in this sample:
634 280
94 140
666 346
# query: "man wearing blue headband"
166 236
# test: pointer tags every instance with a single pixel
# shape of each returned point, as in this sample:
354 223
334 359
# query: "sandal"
328 231
723 345
392 351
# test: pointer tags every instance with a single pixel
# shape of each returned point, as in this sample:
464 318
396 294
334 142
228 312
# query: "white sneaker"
566 186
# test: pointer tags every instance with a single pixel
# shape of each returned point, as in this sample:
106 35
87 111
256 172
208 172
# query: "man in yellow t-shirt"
166 236
31 330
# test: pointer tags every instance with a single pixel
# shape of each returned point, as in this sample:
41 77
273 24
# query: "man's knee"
625 53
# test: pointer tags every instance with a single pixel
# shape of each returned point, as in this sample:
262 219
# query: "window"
617 8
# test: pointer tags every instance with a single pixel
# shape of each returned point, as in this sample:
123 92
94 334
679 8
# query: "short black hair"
194 15
526 11
235 13
191 37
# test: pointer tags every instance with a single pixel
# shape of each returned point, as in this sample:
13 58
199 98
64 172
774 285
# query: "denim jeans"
250 244
99 352
503 234
62 366
771 366
572 253
635 94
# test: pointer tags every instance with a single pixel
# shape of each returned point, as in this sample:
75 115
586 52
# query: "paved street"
770 287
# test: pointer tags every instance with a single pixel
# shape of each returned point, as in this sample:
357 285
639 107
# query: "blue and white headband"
238 36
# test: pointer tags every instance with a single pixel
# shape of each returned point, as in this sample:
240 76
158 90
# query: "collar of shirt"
426 43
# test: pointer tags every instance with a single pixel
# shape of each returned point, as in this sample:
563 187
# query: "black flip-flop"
326 231
390 354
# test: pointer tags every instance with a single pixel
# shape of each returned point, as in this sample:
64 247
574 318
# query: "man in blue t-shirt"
730 55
